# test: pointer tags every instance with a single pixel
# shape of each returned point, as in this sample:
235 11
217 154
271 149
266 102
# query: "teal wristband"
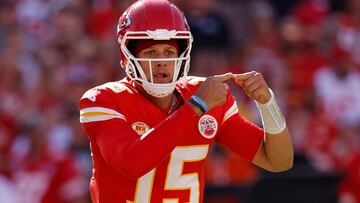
199 103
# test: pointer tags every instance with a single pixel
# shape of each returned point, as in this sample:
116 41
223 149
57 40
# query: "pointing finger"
243 76
224 77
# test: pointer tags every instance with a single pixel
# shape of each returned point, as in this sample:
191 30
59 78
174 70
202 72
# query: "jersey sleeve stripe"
93 114
231 111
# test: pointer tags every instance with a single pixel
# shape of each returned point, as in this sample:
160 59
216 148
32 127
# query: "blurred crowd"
52 51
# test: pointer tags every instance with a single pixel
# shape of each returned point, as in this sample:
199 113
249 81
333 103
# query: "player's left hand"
254 86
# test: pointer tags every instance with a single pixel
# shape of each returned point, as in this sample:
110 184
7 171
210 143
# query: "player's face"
162 71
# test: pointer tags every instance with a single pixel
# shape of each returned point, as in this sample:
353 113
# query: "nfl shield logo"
208 126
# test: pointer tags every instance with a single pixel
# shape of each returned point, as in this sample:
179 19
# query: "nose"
160 64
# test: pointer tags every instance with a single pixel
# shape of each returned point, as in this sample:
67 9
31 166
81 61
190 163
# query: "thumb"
224 77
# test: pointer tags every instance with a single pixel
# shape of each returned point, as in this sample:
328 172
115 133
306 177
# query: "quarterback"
151 132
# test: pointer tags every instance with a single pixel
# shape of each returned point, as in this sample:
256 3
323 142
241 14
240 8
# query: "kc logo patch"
124 22
208 126
140 127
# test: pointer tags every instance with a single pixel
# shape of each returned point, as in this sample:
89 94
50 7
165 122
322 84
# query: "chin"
162 81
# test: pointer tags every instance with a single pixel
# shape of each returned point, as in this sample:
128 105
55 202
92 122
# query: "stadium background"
52 51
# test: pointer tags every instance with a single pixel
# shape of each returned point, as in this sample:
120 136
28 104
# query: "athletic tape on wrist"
271 116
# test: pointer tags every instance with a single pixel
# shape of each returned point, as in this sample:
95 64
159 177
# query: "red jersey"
141 154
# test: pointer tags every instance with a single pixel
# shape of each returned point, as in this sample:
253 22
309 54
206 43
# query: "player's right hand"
212 91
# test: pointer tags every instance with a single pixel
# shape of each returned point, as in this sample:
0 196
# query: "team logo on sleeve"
90 94
140 127
208 126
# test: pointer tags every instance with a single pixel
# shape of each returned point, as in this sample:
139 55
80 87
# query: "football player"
151 132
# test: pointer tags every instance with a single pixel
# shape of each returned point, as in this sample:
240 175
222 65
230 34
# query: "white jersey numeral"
175 179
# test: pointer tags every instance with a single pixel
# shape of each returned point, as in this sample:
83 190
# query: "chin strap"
159 90
271 116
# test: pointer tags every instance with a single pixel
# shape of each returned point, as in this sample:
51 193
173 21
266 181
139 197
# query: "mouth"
161 77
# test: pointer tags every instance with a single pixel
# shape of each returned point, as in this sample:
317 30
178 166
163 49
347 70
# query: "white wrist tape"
272 119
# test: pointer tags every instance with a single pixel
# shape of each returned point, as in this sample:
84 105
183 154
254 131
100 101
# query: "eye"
170 53
150 53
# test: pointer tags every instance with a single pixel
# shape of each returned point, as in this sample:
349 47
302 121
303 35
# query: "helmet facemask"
181 65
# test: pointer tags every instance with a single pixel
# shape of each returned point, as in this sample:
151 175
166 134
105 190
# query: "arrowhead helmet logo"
124 22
